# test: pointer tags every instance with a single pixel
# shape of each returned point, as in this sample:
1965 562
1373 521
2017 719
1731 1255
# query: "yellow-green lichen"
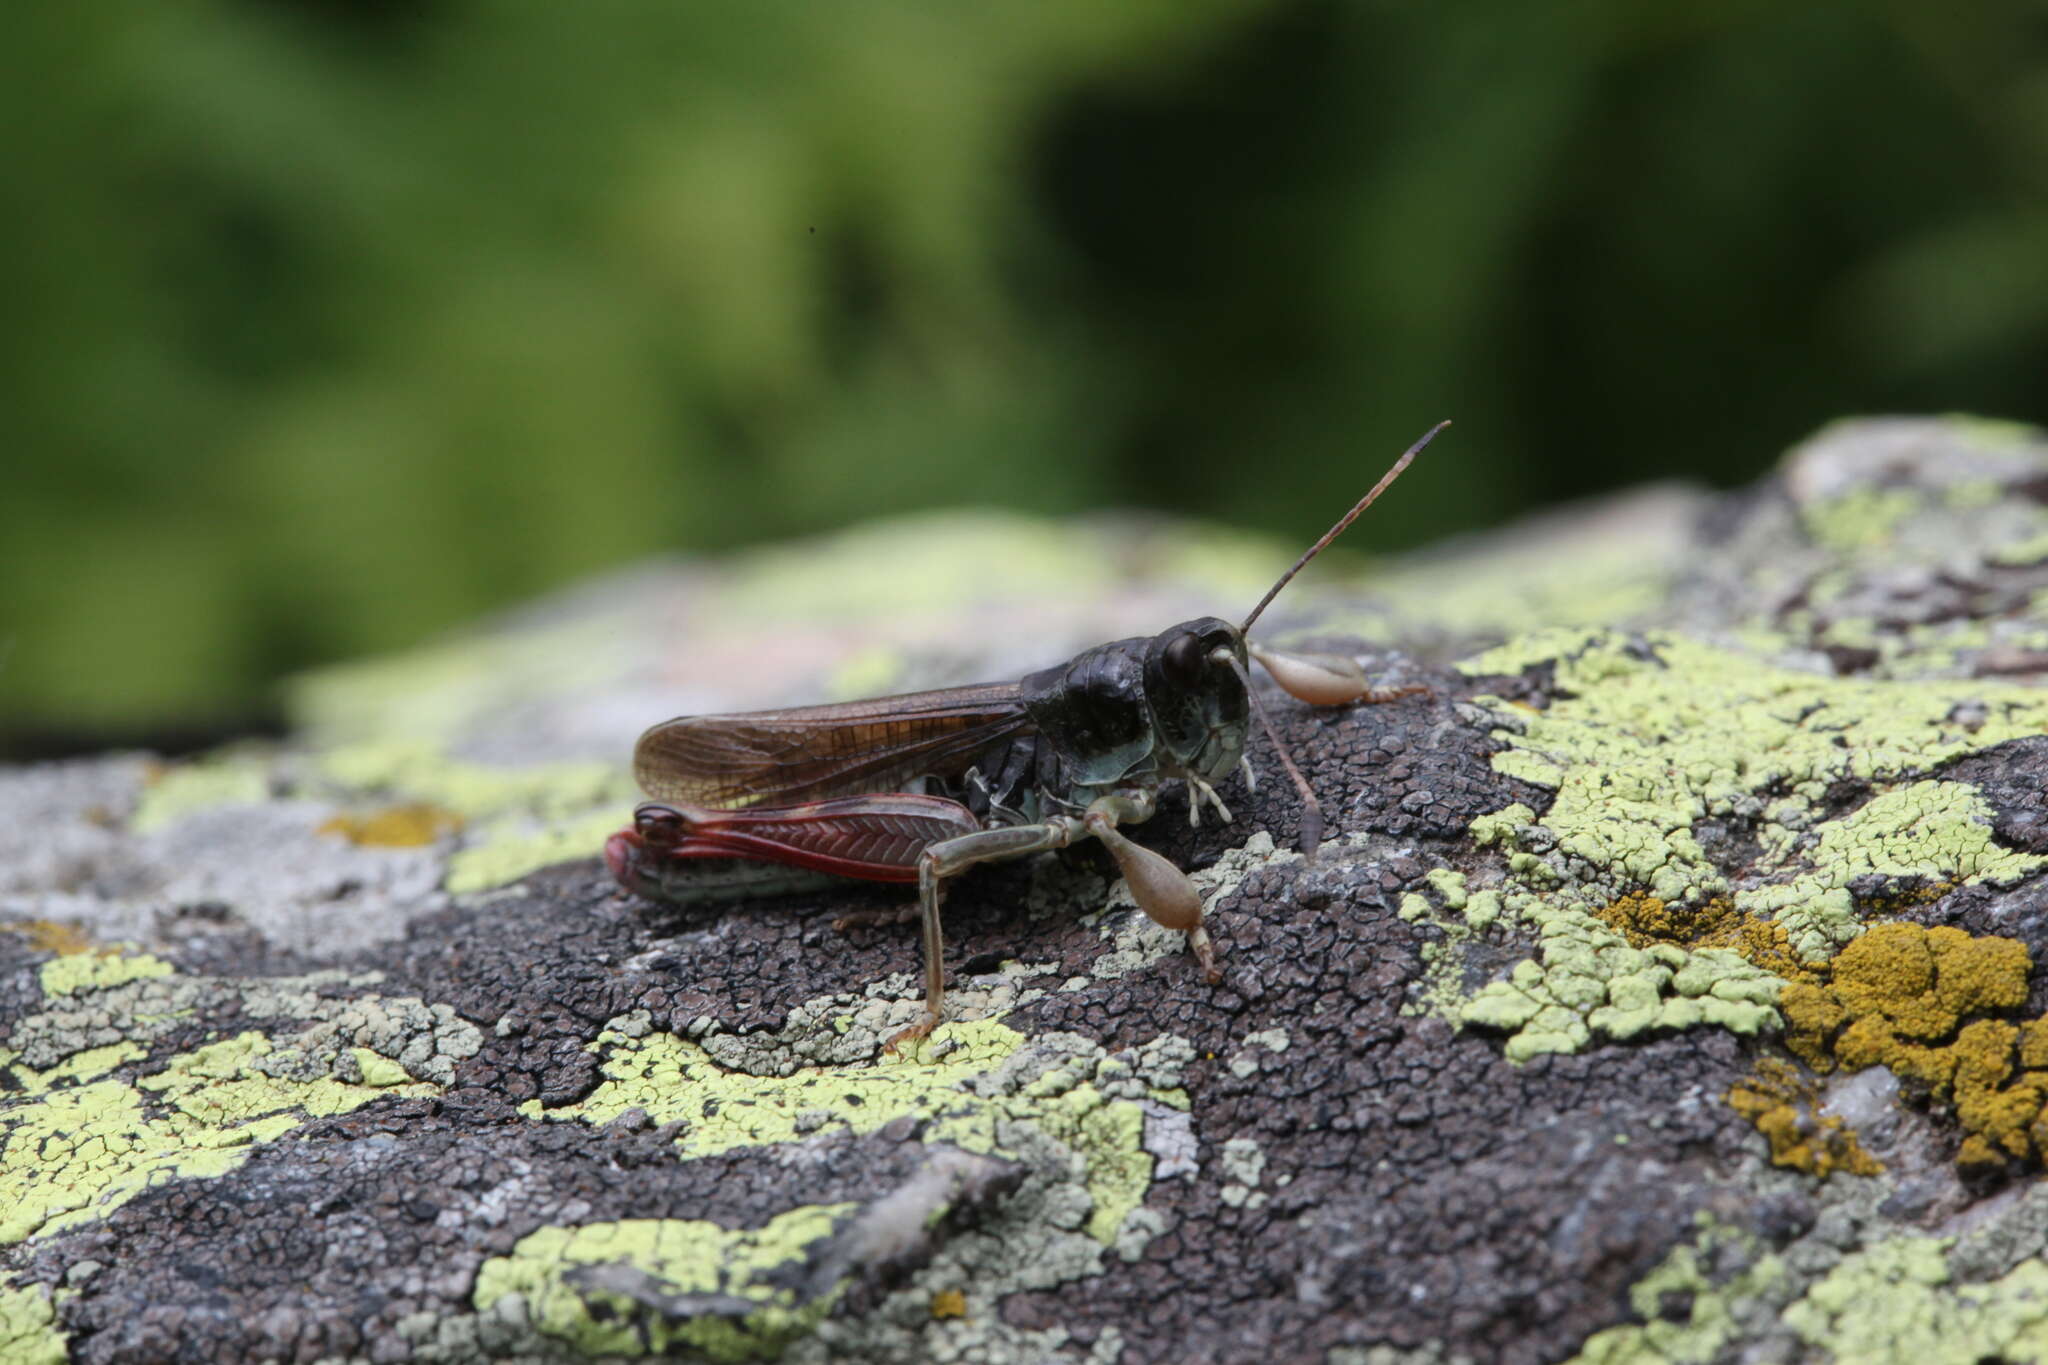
1589 981
98 971
29 1334
1626 969
510 849
1948 647
519 819
1648 737
684 1257
1449 884
1860 519
379 1072
673 1079
474 791
1619 576
1973 495
78 1067
73 1149
433 694
1501 826
1478 908
397 793
183 788
1890 1304
1718 962
1442 989
902 566
1706 1326
2021 553
875 671
1990 433
1938 833
1894 1304
1482 908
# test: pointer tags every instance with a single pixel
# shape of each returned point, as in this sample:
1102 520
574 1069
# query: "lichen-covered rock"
1666 988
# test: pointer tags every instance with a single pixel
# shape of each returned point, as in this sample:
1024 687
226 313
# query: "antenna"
1346 520
1310 832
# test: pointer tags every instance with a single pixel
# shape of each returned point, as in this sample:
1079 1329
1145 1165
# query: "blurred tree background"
334 325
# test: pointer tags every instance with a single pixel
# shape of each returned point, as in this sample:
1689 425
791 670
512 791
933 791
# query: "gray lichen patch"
1137 943
341 1021
1245 1062
1036 1242
223 866
1243 1164
426 1042
61 826
844 1028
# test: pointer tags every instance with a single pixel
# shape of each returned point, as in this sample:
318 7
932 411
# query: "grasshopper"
921 787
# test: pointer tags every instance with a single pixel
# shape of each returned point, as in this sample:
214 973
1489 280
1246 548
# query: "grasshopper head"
1194 687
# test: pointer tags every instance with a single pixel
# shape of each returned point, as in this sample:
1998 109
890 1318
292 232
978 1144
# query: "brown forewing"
811 753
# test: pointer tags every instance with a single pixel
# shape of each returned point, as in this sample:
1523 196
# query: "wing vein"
811 753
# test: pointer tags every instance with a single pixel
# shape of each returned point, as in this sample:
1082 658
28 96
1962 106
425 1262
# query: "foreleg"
1165 893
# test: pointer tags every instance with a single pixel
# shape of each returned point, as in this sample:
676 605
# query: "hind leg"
949 858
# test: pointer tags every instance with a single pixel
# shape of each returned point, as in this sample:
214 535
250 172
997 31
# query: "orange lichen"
406 826
949 1303
1644 919
1785 1107
48 936
1899 985
1903 997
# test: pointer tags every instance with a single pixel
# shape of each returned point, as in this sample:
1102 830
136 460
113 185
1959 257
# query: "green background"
334 325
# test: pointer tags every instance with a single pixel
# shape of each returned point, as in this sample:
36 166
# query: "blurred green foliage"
334 325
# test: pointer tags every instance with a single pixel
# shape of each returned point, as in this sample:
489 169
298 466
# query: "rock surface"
346 1049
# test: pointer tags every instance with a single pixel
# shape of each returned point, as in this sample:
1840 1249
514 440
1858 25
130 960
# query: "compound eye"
660 826
1183 660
